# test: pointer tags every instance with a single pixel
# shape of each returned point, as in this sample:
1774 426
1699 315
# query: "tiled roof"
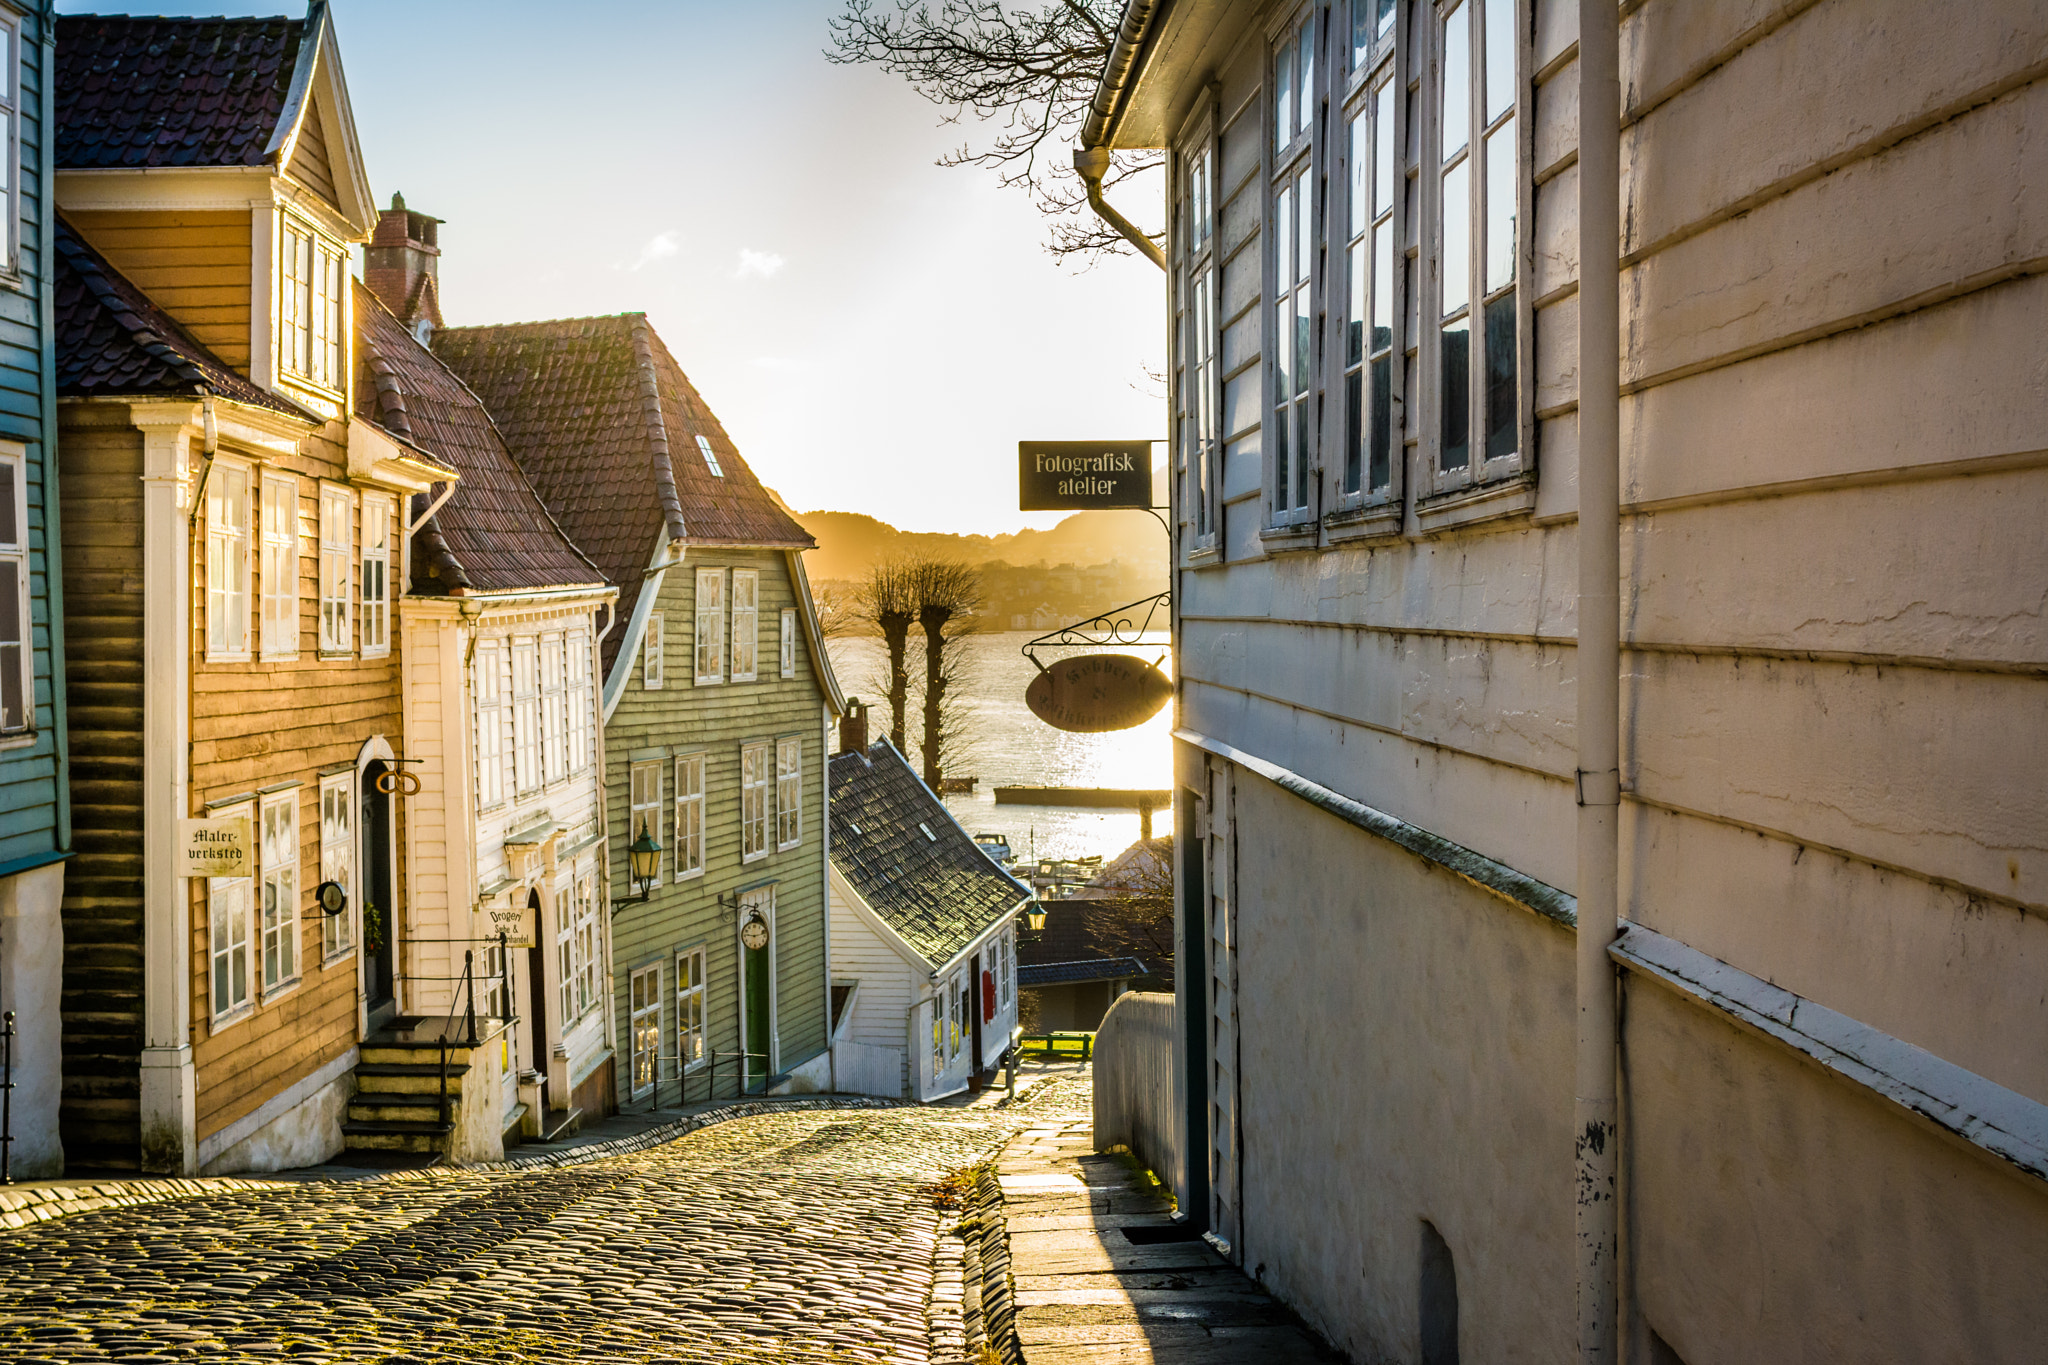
1089 969
493 535
140 91
605 423
113 342
909 859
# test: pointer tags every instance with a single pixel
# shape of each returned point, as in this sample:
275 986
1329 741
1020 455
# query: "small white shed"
924 961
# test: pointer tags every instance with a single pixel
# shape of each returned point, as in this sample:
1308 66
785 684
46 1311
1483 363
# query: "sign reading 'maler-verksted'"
1083 476
214 848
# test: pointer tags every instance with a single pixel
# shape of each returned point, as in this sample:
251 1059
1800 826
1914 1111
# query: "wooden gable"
309 164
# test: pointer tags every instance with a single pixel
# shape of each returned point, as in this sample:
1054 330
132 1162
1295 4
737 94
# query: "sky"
875 332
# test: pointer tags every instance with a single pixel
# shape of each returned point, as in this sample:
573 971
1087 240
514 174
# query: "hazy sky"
875 331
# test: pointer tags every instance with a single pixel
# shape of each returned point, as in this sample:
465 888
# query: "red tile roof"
139 91
605 423
113 342
493 535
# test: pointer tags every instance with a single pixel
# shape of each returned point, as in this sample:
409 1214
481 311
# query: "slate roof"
147 91
113 342
493 535
1070 973
605 423
939 891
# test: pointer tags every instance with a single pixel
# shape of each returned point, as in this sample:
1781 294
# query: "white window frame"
788 656
10 139
643 804
375 576
1198 386
789 792
693 1007
278 901
1290 447
755 778
337 568
489 682
689 822
652 654
643 1005
710 460
554 721
228 560
590 948
230 916
337 862
746 624
1369 345
582 701
279 569
709 640
17 643
526 737
312 291
566 970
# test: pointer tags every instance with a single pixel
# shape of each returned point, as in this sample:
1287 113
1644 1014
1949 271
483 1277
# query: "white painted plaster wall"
31 981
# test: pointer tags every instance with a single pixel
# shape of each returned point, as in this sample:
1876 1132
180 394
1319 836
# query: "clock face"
754 933
332 896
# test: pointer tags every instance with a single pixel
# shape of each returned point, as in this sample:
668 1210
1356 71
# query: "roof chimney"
402 267
853 728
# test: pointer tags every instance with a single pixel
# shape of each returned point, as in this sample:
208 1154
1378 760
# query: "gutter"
53 531
1091 158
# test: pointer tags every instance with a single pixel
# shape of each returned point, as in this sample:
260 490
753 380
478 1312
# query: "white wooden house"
924 959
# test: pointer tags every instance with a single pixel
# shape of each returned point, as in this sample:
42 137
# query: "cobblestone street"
803 1236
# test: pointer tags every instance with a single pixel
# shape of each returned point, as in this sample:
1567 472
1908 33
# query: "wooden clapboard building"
506 835
717 696
236 545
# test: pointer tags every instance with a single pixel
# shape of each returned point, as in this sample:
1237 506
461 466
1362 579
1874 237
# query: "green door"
757 1014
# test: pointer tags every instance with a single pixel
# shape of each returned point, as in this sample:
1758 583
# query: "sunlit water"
1010 746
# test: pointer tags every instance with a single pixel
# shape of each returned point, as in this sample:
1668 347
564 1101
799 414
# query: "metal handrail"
707 1067
7 1099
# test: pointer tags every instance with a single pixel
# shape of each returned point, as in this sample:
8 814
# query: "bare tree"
884 603
1138 917
838 615
1029 72
948 594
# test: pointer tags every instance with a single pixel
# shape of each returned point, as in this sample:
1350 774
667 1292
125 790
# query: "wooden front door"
380 903
757 979
757 1016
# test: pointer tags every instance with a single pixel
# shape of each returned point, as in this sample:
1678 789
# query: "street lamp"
1035 916
644 859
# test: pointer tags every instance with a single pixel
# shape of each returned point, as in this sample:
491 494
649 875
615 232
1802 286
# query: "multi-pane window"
337 860
690 1007
227 931
710 460
279 566
1195 295
1368 465
644 789
280 866
554 696
1479 409
566 974
337 550
311 278
689 839
754 778
710 625
490 725
788 659
938 1038
497 986
789 793
525 717
1294 236
589 950
376 575
227 562
582 701
646 1027
746 623
17 659
652 653
10 142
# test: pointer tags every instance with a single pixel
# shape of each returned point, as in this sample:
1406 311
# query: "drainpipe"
1595 1107
1091 158
1093 164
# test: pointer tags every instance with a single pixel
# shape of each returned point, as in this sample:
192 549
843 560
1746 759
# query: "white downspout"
1595 1108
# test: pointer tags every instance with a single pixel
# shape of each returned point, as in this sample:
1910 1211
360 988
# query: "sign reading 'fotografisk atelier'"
1083 476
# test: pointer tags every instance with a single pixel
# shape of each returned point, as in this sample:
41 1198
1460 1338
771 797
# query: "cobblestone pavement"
793 1237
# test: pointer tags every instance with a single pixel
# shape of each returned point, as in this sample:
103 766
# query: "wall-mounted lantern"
1035 916
643 857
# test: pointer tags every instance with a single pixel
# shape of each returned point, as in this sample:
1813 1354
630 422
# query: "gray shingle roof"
1068 973
897 845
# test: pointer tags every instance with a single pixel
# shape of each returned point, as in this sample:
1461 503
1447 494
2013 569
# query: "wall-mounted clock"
332 897
754 933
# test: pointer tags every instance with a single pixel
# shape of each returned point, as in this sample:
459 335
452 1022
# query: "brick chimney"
853 728
402 267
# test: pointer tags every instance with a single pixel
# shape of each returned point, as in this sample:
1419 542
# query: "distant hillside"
848 542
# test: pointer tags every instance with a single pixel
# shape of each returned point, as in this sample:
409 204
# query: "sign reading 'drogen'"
1082 476
214 848
1091 693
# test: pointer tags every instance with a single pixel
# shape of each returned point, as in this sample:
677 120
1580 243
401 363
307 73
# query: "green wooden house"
717 697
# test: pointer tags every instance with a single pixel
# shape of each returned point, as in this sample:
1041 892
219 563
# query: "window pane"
1304 226
1283 352
1283 96
1354 333
1283 238
1354 427
1383 297
1304 339
1457 91
1386 17
1500 207
1383 155
1500 57
1457 423
1280 480
1457 257
1361 207
1362 18
1306 88
1301 454
1501 425
1382 467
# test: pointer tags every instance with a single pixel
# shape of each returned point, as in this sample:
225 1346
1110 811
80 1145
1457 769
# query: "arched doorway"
537 1000
380 903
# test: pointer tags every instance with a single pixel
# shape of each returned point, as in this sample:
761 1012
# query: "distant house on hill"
923 935
1111 936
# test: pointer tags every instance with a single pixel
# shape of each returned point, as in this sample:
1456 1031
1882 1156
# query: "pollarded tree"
948 594
884 602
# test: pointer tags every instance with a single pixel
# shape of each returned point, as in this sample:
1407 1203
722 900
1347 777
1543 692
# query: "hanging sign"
1083 476
513 921
1092 693
215 848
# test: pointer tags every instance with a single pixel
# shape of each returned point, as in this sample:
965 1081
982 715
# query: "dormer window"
710 460
311 278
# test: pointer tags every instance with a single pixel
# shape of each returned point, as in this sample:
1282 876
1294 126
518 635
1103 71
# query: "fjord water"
1008 746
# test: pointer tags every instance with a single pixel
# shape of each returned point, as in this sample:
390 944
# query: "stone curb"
19 1208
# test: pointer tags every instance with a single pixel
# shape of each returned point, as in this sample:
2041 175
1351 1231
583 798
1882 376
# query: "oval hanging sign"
1091 693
